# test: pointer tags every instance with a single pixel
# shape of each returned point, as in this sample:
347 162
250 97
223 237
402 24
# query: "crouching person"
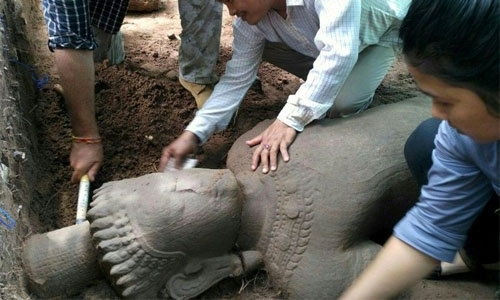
448 48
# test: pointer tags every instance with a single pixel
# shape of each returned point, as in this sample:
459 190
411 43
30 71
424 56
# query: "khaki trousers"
357 92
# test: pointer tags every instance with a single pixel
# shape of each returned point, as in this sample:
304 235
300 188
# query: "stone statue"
312 224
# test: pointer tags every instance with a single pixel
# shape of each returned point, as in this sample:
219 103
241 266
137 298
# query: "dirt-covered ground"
141 108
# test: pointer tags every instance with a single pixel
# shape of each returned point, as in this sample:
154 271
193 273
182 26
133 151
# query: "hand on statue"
184 145
85 159
276 138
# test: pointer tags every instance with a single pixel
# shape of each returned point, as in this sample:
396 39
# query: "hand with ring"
272 141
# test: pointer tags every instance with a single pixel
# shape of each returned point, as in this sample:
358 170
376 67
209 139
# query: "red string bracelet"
86 140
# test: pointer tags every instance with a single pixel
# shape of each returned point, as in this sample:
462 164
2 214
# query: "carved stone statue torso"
310 224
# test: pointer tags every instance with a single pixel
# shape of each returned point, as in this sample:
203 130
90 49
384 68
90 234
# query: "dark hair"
456 41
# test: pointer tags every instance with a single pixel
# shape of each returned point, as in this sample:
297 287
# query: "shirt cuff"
202 135
299 112
427 238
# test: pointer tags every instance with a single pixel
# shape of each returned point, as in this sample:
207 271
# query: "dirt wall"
18 80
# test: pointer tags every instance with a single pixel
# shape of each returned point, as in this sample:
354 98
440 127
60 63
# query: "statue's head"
165 228
162 233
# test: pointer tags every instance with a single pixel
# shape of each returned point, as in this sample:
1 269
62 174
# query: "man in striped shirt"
341 48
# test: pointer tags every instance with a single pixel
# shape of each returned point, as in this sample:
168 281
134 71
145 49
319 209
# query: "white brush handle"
83 200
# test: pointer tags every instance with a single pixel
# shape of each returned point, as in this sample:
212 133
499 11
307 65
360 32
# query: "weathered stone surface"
346 181
311 222
68 264
170 228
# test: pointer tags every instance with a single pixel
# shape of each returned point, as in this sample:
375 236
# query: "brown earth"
141 108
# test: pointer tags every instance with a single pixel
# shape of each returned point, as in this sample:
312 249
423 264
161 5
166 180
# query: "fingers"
273 157
271 142
264 157
255 158
267 155
171 157
183 146
85 159
284 151
76 175
92 173
165 156
255 141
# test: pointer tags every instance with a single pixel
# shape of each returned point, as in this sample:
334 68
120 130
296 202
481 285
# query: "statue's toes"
125 268
110 232
121 254
114 244
114 190
127 280
100 219
105 188
100 208
106 206
137 274
136 288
